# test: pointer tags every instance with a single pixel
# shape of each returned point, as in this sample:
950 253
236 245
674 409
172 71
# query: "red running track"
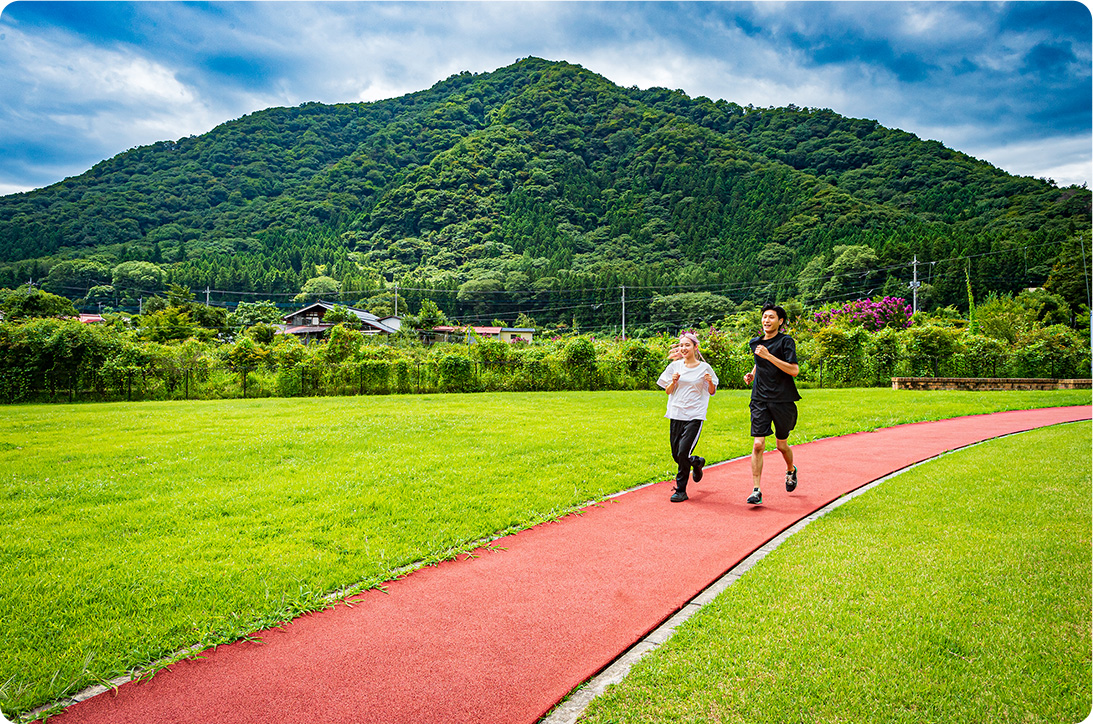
502 637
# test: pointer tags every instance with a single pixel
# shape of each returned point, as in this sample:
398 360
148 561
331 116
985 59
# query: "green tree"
100 296
1002 317
319 288
27 302
136 278
429 315
167 325
342 344
244 356
248 314
928 346
477 296
853 271
75 277
1072 272
689 309
261 333
1044 307
340 314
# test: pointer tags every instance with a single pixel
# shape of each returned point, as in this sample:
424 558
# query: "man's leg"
785 419
791 469
757 448
787 453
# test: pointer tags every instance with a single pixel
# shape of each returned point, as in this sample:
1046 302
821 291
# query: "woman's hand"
748 377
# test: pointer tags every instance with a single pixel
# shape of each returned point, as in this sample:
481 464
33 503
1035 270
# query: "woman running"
690 383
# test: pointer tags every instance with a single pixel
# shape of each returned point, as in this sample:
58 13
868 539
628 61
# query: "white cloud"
6 189
105 95
1067 160
116 94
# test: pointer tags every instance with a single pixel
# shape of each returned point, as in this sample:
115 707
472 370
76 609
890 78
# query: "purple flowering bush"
872 314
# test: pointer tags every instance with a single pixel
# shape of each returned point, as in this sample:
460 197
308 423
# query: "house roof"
305 329
361 313
369 319
484 330
477 330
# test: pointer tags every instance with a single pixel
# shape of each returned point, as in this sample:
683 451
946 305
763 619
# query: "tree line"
185 350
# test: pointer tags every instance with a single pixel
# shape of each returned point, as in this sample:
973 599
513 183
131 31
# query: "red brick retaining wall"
988 383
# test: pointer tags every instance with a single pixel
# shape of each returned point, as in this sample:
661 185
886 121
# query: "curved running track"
502 637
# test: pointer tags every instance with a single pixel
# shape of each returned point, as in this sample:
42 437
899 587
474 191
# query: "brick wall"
988 383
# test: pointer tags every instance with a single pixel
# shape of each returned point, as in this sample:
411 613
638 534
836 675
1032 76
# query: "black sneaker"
696 467
791 480
678 496
756 498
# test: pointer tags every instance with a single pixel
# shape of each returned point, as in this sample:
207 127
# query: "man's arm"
790 369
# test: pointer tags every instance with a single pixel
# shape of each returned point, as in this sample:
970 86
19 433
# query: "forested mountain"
543 188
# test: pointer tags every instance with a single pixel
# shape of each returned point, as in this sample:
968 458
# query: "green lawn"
128 531
956 592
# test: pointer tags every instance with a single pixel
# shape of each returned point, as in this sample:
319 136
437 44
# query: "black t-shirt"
771 383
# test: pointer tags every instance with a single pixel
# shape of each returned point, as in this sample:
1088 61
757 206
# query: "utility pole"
206 295
395 312
914 286
623 313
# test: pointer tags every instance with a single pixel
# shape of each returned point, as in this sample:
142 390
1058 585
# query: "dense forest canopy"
543 189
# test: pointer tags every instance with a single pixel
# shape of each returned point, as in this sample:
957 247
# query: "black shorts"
782 414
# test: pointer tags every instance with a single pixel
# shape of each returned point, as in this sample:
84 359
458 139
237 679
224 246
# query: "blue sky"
1009 83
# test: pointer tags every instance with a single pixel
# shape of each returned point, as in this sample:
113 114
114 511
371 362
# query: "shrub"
456 373
883 351
872 314
404 375
927 346
374 375
1054 351
983 357
841 353
579 351
492 351
637 358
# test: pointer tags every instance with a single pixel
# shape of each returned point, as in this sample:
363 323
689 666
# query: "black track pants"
684 436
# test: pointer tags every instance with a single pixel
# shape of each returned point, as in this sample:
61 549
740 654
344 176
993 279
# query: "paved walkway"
503 635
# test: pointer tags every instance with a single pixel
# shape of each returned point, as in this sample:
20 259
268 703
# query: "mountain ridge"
543 175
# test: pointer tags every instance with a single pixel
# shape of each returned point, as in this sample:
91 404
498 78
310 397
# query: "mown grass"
956 592
129 531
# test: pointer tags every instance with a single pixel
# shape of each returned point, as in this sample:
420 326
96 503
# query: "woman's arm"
672 385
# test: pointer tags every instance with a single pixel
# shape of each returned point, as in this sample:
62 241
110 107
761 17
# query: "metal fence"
457 373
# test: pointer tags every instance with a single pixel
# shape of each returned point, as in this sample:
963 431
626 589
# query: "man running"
773 396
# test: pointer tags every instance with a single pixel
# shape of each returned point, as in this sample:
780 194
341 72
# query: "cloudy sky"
1009 83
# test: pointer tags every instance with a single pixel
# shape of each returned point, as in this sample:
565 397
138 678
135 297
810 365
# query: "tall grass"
128 531
956 592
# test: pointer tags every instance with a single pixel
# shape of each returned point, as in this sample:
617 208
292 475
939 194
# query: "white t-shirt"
691 397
